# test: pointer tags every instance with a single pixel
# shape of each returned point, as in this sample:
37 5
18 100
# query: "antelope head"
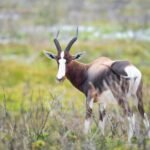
63 57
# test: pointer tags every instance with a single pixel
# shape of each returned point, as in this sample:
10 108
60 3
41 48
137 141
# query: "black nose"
60 80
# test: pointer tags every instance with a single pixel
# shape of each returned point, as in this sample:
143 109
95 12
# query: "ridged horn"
57 42
72 41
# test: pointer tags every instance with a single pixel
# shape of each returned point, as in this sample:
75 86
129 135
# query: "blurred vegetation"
38 113
31 19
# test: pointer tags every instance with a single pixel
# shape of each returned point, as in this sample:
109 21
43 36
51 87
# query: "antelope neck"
76 74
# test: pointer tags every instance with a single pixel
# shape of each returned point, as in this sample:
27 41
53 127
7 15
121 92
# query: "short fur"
99 76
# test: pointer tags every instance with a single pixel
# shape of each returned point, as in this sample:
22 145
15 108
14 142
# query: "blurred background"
119 29
35 21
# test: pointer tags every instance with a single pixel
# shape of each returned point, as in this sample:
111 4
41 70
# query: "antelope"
120 77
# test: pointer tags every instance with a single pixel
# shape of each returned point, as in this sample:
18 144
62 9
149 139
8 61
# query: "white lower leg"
102 126
102 117
91 103
131 129
146 123
86 126
89 111
133 123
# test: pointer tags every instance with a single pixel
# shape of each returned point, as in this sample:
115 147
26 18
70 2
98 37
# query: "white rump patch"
135 80
62 66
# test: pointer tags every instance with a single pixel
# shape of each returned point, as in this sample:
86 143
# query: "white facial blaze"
62 66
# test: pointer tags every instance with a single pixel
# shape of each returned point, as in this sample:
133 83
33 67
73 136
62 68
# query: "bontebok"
122 78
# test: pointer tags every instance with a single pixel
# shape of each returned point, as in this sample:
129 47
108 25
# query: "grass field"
38 113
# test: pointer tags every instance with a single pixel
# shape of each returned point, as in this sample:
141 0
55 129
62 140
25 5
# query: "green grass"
38 113
16 49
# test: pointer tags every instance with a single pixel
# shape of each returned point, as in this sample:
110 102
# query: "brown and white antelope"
122 78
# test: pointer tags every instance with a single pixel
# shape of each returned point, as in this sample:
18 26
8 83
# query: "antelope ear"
49 55
78 55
